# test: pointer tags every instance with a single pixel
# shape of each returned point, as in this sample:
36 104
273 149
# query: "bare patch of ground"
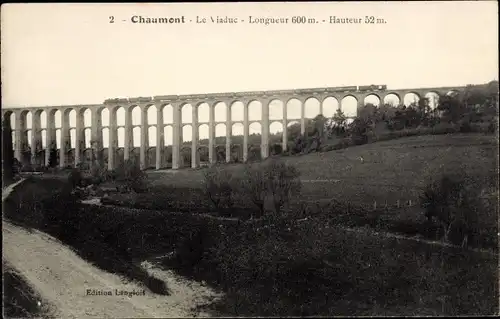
65 280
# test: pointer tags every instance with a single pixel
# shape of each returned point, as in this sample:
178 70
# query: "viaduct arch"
135 111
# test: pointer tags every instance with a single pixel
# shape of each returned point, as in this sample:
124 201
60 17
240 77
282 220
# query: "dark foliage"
276 149
7 151
454 203
20 301
217 187
53 158
130 174
75 177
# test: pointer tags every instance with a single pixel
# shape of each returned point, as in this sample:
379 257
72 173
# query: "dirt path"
63 280
8 189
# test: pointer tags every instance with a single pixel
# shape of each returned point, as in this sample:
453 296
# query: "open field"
390 170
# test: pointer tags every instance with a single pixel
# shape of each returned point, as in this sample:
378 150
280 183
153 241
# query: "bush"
273 178
276 149
299 145
253 184
130 173
444 128
492 126
192 248
465 127
99 174
454 201
53 158
75 178
359 139
283 182
217 187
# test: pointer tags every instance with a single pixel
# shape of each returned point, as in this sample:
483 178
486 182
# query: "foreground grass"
309 269
276 267
19 299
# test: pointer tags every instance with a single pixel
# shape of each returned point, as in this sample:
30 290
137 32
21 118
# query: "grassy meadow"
388 171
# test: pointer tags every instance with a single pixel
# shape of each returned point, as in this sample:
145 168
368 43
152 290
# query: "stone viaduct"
40 154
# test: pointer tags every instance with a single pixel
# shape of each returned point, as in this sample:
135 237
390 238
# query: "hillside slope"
390 170
397 169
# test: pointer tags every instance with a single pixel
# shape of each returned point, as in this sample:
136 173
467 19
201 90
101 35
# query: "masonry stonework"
39 155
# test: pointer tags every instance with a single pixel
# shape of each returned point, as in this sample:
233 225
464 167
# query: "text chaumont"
157 20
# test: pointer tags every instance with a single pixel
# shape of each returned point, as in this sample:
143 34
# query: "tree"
276 149
369 113
253 184
186 157
483 99
253 153
274 178
318 124
386 111
203 151
221 154
427 115
75 177
53 157
217 186
283 182
300 144
454 200
339 122
7 152
358 130
453 108
293 131
131 174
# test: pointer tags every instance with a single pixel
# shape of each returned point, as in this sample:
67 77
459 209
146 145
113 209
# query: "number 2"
111 19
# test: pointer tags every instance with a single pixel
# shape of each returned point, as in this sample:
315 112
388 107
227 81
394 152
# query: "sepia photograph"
250 159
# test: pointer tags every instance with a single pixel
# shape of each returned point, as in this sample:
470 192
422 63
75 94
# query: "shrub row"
273 181
439 129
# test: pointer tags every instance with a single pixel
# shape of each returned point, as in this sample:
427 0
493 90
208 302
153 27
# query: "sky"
63 54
